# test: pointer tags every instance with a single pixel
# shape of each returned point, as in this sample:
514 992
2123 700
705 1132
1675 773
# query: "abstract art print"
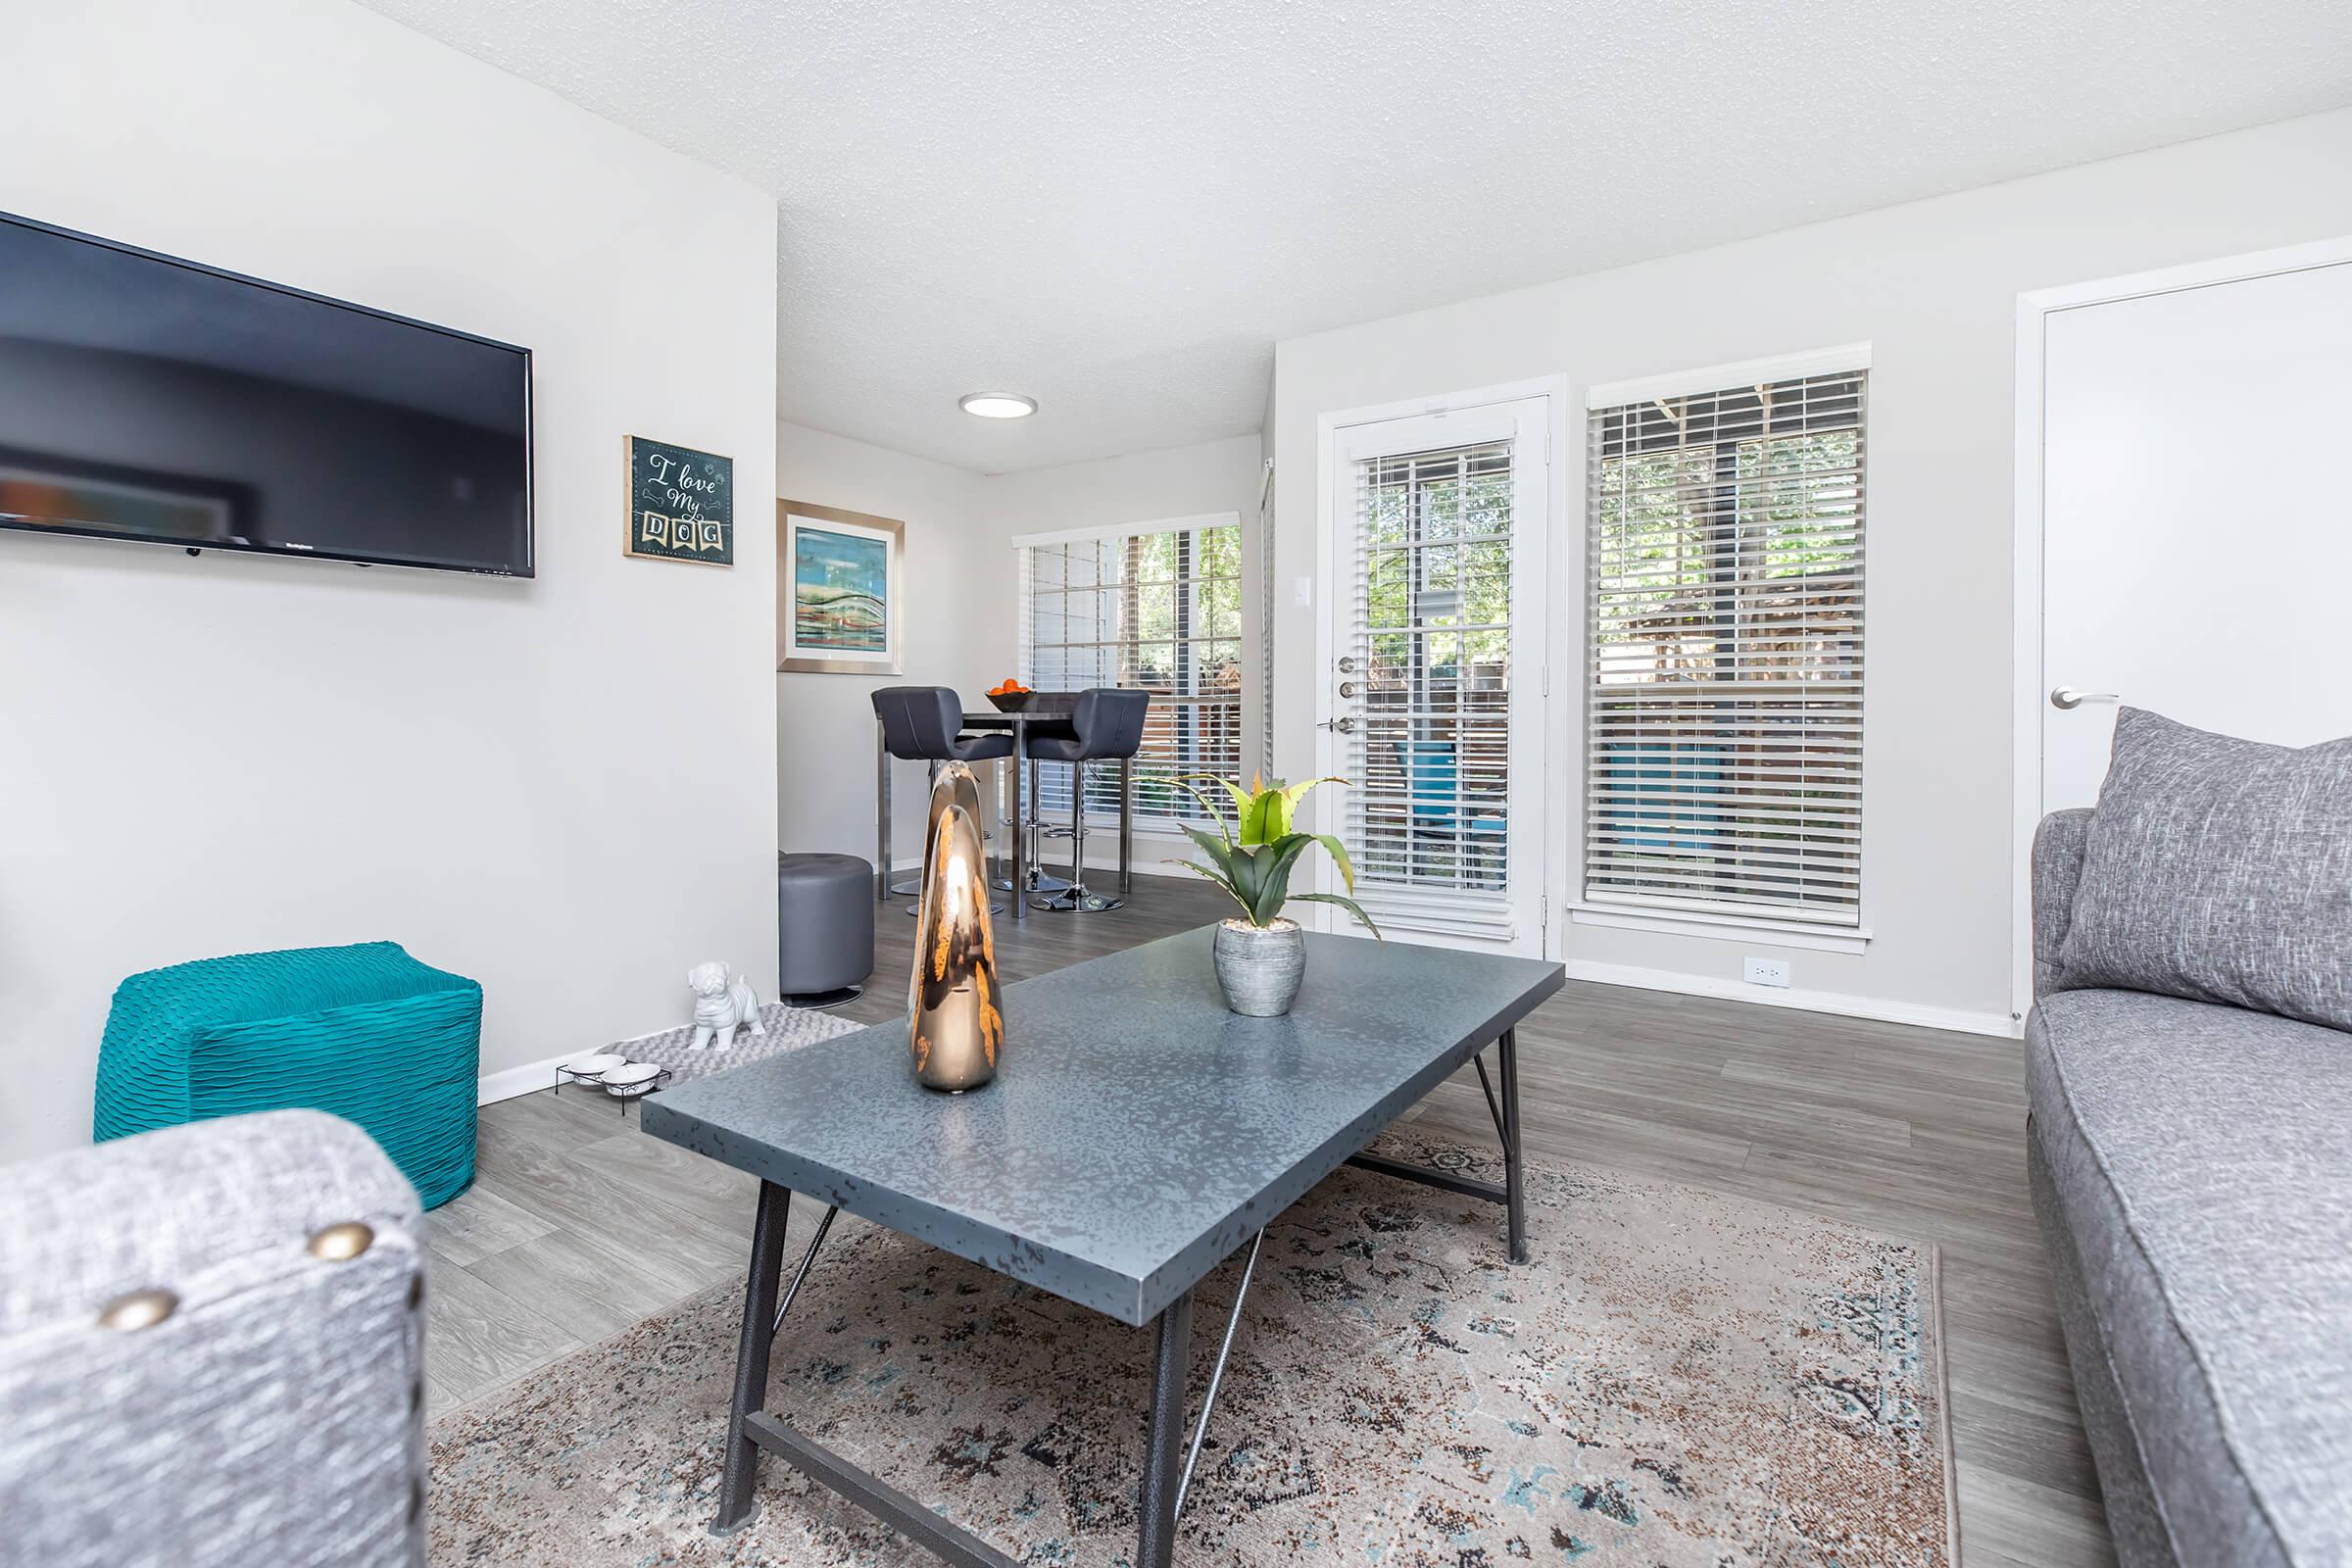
841 591
838 591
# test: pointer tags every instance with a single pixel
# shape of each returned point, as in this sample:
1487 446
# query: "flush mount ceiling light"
997 405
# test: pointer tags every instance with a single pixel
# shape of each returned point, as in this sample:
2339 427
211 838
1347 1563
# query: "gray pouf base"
818 1001
824 922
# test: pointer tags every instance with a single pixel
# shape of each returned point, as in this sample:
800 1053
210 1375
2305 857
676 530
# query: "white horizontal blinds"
1426 820
1160 610
1723 754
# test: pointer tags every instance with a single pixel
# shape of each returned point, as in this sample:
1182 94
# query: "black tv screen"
147 398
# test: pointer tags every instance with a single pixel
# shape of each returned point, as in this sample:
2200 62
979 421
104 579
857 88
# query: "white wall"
825 723
562 786
1932 286
1141 487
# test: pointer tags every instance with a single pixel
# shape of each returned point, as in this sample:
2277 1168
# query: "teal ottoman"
365 1032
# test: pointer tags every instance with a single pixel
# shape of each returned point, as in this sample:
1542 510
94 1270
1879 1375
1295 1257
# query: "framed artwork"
681 503
839 609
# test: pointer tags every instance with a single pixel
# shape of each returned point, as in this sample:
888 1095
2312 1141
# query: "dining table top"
1032 721
1044 710
1054 708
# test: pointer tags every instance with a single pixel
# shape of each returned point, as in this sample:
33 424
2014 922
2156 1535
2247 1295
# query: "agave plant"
1251 854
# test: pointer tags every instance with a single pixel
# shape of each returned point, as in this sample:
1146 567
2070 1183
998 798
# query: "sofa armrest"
265 1404
2057 870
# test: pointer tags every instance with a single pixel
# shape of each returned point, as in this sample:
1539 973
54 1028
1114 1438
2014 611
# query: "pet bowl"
594 1066
634 1078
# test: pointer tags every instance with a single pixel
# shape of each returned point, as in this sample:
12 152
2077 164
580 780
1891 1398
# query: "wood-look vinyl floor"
578 1226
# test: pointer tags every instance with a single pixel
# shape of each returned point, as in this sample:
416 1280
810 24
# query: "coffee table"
1137 1134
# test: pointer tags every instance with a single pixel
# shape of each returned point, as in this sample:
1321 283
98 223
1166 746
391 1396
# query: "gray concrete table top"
1137 1132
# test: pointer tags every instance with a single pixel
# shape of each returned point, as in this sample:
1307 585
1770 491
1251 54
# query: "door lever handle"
1346 726
2066 697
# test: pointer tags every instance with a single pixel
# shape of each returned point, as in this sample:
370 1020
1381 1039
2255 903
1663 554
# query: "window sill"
1800 934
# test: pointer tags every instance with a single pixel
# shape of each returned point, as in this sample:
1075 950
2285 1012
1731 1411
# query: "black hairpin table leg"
1514 1166
1163 1447
741 1468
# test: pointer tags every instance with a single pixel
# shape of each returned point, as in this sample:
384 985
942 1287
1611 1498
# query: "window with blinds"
1429 755
1157 609
1725 583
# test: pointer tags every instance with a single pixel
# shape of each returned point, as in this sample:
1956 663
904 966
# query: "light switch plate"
1302 591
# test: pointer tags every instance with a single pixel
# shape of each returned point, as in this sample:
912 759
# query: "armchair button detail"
268 1419
139 1309
340 1243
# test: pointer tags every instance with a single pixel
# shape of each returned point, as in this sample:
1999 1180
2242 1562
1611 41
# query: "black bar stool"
1033 826
922 724
1108 722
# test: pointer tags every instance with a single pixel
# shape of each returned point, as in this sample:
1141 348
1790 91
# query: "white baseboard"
1831 1002
509 1082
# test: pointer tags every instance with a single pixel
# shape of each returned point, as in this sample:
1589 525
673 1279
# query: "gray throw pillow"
2220 870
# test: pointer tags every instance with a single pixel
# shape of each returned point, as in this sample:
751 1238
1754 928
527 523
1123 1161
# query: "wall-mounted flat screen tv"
147 398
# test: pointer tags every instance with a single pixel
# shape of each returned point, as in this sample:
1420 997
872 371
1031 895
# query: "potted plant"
1263 956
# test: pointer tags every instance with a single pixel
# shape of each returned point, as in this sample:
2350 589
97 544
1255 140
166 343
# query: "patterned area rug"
782 1029
1677 1379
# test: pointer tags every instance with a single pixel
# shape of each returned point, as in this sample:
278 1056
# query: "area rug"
782 1028
1678 1380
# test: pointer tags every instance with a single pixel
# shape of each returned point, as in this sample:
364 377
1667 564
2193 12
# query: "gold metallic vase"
954 1011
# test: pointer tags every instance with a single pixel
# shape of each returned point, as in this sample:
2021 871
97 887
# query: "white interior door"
2196 536
1433 702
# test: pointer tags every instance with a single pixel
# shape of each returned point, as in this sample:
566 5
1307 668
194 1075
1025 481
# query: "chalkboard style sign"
681 503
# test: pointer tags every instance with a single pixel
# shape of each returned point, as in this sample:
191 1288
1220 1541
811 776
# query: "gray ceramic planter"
1259 970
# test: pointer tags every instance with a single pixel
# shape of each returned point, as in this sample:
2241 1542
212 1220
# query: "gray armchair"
211 1350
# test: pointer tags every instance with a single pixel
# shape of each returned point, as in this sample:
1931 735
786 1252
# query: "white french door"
1433 702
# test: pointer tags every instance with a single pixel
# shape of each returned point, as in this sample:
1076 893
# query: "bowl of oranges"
1009 696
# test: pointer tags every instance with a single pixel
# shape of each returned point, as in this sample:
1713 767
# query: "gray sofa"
2191 1168
210 1351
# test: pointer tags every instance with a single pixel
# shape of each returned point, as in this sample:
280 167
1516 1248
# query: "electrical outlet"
1764 971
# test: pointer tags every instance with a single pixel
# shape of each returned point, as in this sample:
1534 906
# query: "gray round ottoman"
825 928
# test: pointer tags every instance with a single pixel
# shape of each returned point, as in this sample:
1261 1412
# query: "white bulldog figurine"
719 1006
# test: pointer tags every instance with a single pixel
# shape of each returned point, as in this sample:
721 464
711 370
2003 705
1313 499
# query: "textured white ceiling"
1119 206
